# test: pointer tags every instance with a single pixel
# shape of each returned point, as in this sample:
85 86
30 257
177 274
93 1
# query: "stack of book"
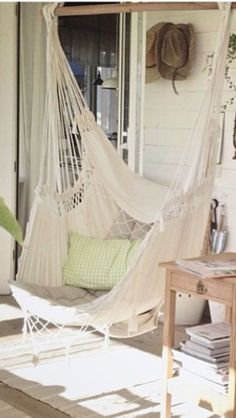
205 355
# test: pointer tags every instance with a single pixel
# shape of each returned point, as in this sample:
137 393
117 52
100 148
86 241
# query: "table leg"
231 413
168 341
228 313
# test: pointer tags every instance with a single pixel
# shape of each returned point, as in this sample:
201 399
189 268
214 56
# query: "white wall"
168 118
7 131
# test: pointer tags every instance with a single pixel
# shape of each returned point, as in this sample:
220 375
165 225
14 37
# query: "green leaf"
9 222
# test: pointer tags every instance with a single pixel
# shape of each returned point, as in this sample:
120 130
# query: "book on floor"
206 359
210 358
212 332
204 349
194 362
205 342
211 374
190 376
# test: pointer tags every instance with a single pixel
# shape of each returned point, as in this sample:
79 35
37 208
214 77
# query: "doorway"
98 50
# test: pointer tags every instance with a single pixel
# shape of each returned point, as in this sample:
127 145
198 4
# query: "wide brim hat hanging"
175 51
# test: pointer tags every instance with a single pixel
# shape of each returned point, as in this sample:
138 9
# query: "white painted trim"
121 81
142 89
133 91
8 110
136 94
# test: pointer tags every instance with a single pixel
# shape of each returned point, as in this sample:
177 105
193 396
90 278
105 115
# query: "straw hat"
174 49
170 47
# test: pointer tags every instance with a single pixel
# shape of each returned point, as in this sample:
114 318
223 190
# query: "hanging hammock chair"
85 190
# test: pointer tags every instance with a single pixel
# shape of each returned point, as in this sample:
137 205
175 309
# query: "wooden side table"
222 290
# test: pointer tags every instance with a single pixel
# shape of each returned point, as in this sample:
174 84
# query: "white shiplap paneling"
169 118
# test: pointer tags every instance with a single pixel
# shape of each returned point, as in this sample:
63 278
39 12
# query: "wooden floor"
122 382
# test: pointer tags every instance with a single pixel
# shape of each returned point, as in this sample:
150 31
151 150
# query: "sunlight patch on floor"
121 380
109 405
97 372
8 311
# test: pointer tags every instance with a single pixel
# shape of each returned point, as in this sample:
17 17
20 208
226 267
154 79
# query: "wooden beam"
128 7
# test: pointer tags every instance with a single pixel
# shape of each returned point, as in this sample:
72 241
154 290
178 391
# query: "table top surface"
176 268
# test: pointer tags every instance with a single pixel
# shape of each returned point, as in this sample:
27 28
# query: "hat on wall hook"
170 48
174 49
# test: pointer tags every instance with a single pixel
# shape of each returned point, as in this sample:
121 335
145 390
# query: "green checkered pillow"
95 263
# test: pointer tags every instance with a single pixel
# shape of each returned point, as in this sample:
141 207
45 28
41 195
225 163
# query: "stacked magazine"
205 355
211 266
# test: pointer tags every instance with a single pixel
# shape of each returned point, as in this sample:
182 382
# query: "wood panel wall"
168 118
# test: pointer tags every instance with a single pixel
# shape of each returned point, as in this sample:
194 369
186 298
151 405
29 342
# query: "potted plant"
9 222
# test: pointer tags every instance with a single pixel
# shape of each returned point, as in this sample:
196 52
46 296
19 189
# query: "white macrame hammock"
97 195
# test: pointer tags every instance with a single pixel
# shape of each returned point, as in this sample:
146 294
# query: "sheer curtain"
32 99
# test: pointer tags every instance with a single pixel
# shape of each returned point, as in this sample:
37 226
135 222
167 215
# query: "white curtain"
32 98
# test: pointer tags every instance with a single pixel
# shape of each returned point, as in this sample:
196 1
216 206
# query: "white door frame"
136 93
8 132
